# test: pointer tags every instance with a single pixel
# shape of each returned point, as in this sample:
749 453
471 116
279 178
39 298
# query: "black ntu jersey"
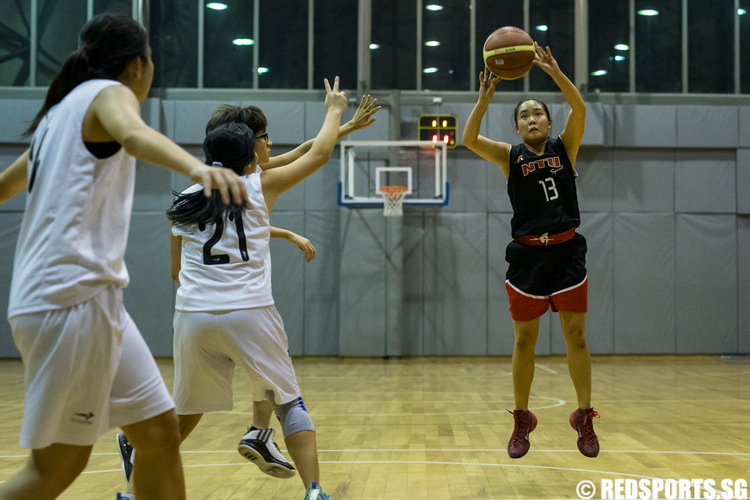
542 190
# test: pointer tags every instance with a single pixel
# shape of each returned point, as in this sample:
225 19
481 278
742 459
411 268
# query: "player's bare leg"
526 333
157 468
303 449
47 473
579 359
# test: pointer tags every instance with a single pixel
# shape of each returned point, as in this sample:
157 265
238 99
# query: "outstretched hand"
363 117
335 99
544 59
487 83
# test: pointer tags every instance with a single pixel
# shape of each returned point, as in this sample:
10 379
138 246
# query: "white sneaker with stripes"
257 445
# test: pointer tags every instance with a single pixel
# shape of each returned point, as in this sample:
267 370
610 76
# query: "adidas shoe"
315 492
524 423
126 455
258 447
582 421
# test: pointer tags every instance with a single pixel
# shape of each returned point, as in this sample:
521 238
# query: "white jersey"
224 266
75 226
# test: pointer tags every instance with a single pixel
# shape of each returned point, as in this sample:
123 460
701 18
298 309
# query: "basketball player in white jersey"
66 310
225 315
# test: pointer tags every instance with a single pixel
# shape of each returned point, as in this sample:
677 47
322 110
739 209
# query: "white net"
393 200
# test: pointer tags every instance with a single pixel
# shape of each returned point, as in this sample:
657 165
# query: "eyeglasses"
264 137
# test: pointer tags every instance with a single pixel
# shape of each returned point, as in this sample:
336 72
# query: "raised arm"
494 151
115 115
362 118
14 179
572 134
278 180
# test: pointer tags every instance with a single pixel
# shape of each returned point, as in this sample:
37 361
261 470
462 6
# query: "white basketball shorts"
207 347
87 370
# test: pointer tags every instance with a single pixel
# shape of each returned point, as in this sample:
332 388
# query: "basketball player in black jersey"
546 258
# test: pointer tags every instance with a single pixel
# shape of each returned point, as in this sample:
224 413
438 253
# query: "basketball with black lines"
509 52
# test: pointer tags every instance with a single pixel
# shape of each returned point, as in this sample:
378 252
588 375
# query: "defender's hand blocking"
363 117
335 100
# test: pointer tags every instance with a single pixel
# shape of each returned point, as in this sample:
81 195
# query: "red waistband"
546 239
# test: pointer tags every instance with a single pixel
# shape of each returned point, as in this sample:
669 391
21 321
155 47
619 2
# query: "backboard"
421 166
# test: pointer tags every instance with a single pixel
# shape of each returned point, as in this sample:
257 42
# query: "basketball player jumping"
546 258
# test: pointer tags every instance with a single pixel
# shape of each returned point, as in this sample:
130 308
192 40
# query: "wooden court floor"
437 428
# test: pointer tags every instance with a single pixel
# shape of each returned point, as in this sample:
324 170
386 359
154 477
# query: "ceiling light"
243 41
216 6
619 58
542 27
433 7
741 12
599 72
432 43
430 70
262 70
622 46
648 12
374 46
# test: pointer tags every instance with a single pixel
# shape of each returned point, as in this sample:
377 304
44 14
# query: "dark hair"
515 111
106 45
251 116
230 145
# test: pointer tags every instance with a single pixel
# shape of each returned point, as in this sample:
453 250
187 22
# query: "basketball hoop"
393 200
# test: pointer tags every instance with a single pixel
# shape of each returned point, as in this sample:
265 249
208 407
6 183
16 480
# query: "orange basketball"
509 52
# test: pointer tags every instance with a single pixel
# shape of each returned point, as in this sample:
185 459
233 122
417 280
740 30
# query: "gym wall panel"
153 189
455 271
149 298
499 120
705 181
644 283
599 121
743 278
190 118
643 180
288 277
314 115
467 177
322 284
500 336
497 188
707 126
706 274
744 134
462 112
743 181
645 126
405 288
321 188
362 283
594 183
20 112
10 224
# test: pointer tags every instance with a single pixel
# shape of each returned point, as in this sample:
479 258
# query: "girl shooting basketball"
546 258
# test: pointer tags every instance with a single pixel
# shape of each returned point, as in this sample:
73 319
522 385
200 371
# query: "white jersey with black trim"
224 266
75 225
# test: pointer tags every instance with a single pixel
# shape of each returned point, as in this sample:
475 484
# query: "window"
744 18
228 46
658 46
445 45
609 47
393 56
335 43
283 44
557 17
15 45
174 48
711 46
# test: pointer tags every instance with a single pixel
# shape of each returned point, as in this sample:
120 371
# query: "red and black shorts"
544 276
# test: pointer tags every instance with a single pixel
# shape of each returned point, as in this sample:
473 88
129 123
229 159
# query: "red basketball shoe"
582 421
525 422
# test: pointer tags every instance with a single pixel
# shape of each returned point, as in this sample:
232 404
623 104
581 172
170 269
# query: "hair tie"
217 164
